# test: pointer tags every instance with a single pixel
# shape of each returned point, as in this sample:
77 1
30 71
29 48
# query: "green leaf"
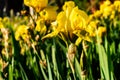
10 72
54 61
49 69
24 76
43 72
78 69
106 66
62 47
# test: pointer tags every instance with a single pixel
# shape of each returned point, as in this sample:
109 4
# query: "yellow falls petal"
78 41
41 27
49 13
50 35
101 30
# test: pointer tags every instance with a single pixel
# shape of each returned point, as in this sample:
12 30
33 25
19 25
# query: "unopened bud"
72 51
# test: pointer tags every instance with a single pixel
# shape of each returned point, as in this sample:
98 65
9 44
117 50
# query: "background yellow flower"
22 31
1 25
49 13
37 4
41 27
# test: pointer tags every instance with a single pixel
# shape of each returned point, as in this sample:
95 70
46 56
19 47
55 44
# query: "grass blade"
78 69
10 72
55 62
49 70
44 75
106 66
24 76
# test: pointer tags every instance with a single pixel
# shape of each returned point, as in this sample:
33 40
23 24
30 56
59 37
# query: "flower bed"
60 43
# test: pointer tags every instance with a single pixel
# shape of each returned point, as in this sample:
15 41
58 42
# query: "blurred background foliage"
87 5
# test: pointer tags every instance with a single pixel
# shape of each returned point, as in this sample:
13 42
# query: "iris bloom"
1 25
49 13
117 5
21 32
41 27
101 30
36 4
106 8
70 21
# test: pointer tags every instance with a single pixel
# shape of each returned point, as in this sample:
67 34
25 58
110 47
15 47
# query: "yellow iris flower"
92 26
1 25
106 8
41 27
101 30
78 19
67 7
117 5
98 13
37 4
49 13
70 21
22 31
